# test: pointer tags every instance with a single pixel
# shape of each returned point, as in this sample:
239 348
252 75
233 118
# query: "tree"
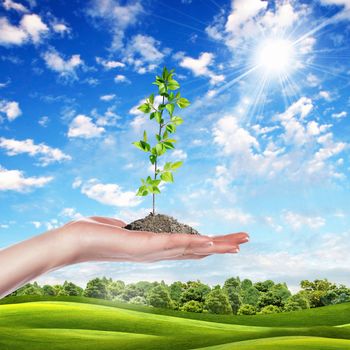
96 288
246 309
317 290
217 302
176 290
159 296
115 288
194 290
233 283
300 299
48 290
250 296
264 286
269 298
246 283
192 306
169 100
234 299
138 300
270 309
29 289
72 289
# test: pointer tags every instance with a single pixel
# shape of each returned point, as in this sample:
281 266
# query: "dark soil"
160 223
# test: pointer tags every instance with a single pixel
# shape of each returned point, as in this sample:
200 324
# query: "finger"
188 257
218 248
238 238
108 221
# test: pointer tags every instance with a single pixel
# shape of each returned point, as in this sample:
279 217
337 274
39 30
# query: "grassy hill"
83 323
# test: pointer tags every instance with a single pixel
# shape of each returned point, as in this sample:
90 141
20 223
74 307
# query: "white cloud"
120 78
84 127
344 13
326 95
235 215
44 121
70 213
143 53
65 68
33 25
61 28
11 109
30 29
200 67
109 64
299 221
339 115
14 180
12 5
179 154
37 224
233 138
47 155
107 97
109 194
301 148
117 17
313 80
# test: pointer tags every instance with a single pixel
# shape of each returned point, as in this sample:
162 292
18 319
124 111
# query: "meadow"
39 323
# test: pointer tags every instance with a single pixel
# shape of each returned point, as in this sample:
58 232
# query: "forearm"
24 261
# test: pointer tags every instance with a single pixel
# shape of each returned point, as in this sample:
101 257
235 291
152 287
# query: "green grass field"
82 323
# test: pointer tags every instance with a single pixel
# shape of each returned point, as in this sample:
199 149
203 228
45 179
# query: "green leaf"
142 145
167 166
152 115
176 165
149 180
162 88
160 149
173 85
168 145
171 96
151 98
142 191
156 182
167 176
165 135
170 107
170 140
158 137
171 128
158 117
152 158
183 102
145 108
154 189
177 120
178 95
145 136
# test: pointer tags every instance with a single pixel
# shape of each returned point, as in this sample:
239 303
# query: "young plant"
167 121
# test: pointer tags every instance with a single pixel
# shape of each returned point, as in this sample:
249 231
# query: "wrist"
65 247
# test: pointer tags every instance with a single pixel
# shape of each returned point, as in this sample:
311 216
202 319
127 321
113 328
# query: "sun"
275 56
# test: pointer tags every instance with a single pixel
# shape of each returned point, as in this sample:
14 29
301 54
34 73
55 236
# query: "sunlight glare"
275 56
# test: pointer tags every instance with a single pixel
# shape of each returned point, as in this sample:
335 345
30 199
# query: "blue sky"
265 143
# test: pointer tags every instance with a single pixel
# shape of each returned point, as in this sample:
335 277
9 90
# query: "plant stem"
155 166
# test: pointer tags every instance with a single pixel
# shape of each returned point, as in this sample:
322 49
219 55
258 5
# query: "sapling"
167 122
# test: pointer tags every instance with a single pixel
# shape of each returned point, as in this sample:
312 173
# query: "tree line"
235 296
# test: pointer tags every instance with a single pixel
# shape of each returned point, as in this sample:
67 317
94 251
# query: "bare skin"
102 239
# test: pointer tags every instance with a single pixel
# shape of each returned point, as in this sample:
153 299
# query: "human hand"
105 239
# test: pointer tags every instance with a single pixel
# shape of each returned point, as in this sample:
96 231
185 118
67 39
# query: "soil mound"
160 223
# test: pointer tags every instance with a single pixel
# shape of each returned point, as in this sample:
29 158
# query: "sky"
265 142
